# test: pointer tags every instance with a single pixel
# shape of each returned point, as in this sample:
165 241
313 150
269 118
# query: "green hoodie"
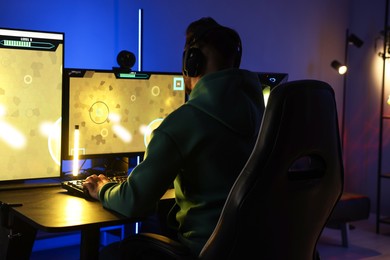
201 147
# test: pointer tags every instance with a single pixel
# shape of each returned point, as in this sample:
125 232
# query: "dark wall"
276 36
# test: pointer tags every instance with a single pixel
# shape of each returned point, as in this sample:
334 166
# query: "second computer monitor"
115 113
31 65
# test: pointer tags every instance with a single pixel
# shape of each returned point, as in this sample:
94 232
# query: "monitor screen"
109 113
31 66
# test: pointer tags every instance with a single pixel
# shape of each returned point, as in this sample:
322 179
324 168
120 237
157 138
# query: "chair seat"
351 207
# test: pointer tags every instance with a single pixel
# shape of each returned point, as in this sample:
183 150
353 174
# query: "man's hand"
94 183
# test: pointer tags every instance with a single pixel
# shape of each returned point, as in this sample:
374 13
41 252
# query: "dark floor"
364 243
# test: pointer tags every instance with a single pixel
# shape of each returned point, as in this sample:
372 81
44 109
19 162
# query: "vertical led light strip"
140 14
140 39
76 150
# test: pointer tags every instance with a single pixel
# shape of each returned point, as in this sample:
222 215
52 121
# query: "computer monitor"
114 113
31 66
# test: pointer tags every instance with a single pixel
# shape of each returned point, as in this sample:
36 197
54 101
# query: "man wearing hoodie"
202 146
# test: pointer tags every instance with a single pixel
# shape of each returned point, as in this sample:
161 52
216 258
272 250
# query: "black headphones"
193 59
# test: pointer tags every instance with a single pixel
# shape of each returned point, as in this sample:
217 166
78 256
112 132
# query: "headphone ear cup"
193 62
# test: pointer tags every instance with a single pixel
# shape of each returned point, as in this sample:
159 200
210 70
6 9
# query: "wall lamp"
351 39
354 40
341 68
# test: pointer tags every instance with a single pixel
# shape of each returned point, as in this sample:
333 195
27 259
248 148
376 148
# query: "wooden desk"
52 209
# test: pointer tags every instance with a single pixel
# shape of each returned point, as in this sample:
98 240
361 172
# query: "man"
202 146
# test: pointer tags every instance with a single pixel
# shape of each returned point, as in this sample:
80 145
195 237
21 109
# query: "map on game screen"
31 65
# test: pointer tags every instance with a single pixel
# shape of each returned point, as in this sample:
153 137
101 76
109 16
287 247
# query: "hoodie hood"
233 96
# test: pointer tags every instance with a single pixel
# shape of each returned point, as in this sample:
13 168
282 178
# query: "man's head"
209 47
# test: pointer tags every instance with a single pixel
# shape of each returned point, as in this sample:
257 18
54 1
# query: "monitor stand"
117 164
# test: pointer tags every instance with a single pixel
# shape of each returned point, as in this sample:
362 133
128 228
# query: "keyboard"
75 187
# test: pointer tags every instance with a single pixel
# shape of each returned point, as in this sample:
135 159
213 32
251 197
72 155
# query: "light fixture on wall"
354 40
341 67
351 39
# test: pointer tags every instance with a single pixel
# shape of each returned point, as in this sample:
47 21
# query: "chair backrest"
286 192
